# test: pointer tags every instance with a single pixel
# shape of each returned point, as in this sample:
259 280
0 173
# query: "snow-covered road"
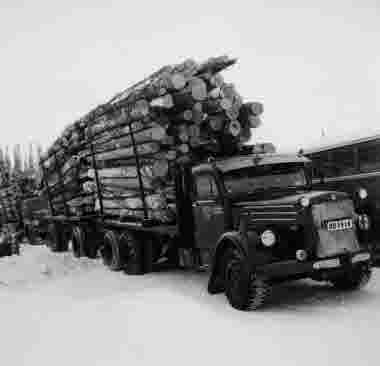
57 310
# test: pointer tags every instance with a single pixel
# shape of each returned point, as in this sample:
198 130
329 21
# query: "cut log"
143 149
198 89
246 115
254 121
215 93
156 133
187 115
184 148
89 200
256 108
216 122
126 183
226 104
159 169
177 81
182 133
234 128
165 102
197 114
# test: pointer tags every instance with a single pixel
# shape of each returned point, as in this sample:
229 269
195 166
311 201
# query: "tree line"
17 161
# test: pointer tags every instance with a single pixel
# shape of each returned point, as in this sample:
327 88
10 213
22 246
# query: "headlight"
362 193
268 238
364 222
305 202
301 255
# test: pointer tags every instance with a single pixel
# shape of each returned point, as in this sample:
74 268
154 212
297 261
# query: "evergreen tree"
7 159
31 160
2 166
25 167
17 159
2 162
39 153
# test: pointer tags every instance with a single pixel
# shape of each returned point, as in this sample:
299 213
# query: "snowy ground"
57 310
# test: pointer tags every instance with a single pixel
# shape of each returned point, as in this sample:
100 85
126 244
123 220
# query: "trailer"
11 220
34 209
103 233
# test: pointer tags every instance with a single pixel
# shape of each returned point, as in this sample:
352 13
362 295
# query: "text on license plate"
339 225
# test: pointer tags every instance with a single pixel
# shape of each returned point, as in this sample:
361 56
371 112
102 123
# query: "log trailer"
251 220
11 221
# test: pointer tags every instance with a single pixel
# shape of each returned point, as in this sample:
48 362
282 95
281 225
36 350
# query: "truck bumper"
296 268
376 259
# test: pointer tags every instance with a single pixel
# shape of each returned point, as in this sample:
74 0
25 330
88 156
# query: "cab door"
208 211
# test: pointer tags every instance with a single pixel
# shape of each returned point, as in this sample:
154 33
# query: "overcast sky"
313 66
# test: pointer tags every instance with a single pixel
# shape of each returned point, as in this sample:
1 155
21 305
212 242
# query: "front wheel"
243 289
355 279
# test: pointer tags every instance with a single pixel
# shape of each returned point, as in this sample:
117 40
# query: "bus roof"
239 162
341 143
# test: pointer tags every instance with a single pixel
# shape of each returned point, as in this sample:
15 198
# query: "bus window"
342 161
321 165
369 156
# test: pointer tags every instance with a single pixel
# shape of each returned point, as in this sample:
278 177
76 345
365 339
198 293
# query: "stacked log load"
8 202
181 113
13 189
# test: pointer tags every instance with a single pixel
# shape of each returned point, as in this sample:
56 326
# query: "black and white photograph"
189 183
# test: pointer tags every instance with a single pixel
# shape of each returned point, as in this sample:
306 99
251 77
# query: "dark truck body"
317 233
22 215
11 221
34 210
352 166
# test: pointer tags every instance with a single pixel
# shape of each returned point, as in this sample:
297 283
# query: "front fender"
247 246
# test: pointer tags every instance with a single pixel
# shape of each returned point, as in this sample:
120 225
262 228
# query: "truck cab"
257 220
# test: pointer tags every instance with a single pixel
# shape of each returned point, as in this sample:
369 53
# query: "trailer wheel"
133 253
32 235
56 238
111 251
356 279
78 242
243 290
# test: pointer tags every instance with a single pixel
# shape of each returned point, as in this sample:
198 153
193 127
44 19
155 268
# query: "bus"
352 166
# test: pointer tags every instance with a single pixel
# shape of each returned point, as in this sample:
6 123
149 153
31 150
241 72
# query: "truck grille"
334 224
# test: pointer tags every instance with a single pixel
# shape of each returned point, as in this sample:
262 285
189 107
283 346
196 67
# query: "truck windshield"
251 179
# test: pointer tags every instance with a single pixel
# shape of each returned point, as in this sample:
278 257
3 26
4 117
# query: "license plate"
361 257
339 225
327 263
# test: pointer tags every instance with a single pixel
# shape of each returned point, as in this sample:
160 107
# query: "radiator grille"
339 241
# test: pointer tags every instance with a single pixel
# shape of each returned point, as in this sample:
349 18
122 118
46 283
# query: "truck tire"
57 240
15 248
243 290
356 279
111 251
32 235
78 239
132 253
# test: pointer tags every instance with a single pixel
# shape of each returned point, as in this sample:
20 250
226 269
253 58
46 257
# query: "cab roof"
244 161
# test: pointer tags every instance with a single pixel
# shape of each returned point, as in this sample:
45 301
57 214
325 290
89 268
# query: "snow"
59 310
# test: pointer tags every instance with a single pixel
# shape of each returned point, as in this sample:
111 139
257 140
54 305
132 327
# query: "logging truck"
251 220
22 210
10 221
